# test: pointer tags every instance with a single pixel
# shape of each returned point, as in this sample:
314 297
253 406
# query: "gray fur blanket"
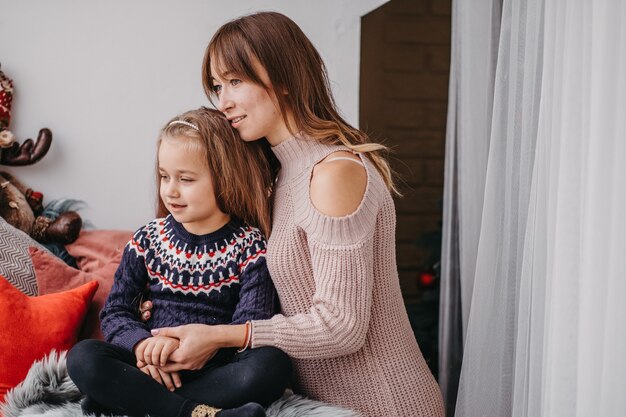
49 392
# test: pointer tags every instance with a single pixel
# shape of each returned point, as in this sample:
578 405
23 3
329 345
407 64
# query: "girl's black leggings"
112 383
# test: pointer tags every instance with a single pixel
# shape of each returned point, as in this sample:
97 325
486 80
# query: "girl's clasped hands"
152 354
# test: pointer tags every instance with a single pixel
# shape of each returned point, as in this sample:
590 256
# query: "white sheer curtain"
534 243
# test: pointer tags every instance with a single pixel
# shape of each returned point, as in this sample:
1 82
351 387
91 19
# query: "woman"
331 252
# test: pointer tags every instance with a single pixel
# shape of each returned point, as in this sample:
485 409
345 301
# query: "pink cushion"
54 276
95 248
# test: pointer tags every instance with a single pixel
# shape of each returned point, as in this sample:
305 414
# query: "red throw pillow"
30 327
54 275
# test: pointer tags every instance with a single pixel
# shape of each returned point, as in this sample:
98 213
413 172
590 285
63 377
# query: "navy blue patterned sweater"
217 278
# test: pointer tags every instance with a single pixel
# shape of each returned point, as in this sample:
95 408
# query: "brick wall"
405 59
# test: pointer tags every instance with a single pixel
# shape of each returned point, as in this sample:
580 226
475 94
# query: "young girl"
203 264
331 253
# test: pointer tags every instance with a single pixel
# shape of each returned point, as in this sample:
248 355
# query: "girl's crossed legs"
109 377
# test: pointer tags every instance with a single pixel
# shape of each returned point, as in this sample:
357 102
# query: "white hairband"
182 122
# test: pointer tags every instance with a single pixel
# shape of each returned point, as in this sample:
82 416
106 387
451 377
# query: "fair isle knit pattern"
190 268
343 318
217 278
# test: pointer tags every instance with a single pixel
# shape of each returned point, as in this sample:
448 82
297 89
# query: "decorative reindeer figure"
11 152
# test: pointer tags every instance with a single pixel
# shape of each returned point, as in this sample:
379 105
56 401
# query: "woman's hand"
145 310
170 379
198 344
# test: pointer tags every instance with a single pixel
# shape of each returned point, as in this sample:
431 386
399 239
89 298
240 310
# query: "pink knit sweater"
343 318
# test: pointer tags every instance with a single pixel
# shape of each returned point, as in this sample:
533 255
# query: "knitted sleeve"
120 320
257 297
341 254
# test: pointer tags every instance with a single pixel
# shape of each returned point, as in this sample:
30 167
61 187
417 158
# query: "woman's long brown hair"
294 67
240 170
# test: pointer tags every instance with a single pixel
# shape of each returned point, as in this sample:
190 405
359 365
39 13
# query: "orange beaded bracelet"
247 338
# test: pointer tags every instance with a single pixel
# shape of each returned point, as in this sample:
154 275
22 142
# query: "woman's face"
250 108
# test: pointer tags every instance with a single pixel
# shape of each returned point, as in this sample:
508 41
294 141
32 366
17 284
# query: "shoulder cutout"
337 185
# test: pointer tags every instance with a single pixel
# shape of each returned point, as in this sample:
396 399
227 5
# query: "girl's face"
186 187
250 108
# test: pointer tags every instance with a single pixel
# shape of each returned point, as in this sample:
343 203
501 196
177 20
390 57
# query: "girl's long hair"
297 75
240 170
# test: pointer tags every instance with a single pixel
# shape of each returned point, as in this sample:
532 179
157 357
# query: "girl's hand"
171 380
198 344
155 350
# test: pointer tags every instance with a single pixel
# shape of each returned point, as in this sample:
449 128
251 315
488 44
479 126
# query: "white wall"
105 75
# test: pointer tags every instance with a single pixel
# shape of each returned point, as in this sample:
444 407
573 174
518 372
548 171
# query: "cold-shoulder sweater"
343 318
216 278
